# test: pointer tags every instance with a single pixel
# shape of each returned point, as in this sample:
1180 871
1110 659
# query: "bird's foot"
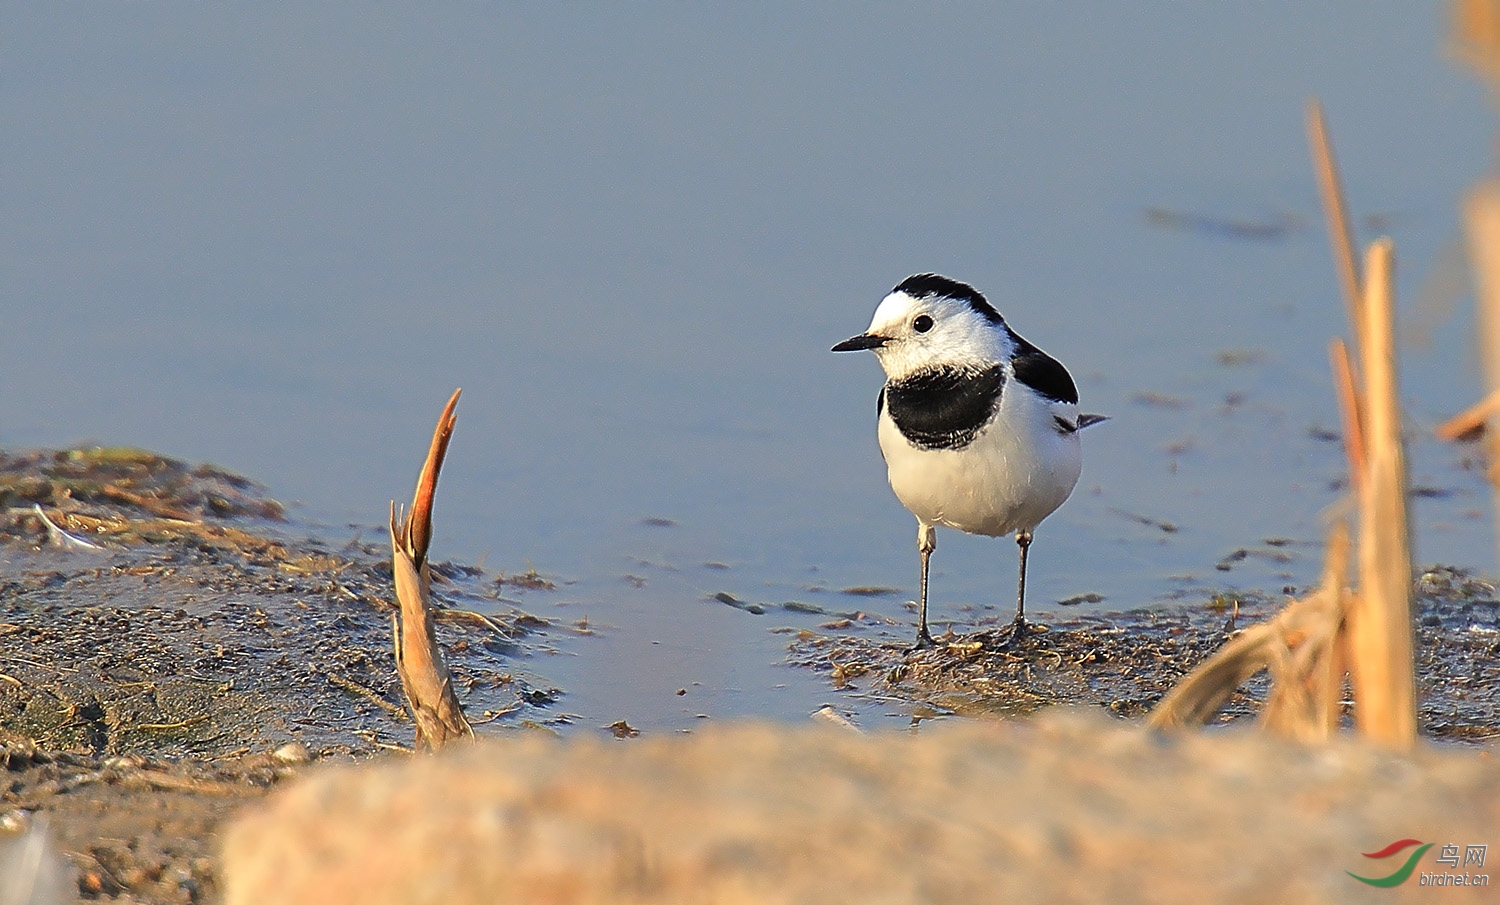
925 641
1019 630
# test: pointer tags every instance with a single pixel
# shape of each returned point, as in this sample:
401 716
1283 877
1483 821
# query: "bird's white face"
931 331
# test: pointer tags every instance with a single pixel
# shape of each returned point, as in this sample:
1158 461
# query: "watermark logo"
1404 871
1448 856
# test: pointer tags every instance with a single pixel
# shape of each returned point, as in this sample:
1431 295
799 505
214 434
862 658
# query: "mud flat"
202 652
1125 662
199 653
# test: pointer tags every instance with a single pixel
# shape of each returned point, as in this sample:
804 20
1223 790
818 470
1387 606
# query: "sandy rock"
1069 807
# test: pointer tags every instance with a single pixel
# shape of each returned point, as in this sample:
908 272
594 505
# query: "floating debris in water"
1075 600
655 522
1158 400
1227 563
1233 358
1276 228
826 714
729 599
871 591
797 606
1162 526
1232 401
1275 555
526 581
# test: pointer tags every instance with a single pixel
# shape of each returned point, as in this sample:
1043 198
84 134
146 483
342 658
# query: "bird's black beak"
861 342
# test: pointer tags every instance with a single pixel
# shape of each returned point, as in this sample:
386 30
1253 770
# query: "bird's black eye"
922 323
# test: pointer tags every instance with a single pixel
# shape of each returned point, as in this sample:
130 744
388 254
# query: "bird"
978 427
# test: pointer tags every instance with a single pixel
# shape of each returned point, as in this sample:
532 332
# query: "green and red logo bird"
1403 872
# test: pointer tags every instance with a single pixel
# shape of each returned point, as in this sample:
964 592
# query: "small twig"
335 587
491 716
27 662
373 737
449 615
368 693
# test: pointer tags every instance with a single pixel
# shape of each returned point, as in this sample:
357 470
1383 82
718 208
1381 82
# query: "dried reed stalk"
1341 237
1299 648
1476 35
1308 644
1349 408
1380 626
1330 187
425 679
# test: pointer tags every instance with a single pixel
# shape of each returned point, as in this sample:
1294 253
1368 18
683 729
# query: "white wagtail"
978 427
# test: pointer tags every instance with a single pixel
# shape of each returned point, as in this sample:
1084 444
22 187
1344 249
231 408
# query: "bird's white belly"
1015 473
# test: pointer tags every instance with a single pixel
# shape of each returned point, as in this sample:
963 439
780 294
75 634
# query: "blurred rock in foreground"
1068 807
31 871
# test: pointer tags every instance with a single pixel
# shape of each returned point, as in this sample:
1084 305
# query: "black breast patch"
944 408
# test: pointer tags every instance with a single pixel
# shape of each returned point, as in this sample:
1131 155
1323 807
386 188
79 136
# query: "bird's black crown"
928 285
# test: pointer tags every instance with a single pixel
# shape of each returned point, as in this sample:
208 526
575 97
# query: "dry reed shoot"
425 679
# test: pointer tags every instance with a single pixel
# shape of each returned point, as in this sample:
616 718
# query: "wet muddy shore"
181 649
177 653
1125 662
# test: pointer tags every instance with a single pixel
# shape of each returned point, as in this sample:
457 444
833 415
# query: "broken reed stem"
1348 398
425 679
1476 35
1471 422
1300 648
1341 237
1304 699
1336 211
1380 620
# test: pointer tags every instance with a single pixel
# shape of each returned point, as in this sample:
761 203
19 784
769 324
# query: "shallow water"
277 240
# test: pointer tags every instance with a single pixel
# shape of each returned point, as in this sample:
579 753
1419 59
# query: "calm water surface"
277 240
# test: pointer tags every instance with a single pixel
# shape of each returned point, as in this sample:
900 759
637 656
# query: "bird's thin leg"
926 543
1023 540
